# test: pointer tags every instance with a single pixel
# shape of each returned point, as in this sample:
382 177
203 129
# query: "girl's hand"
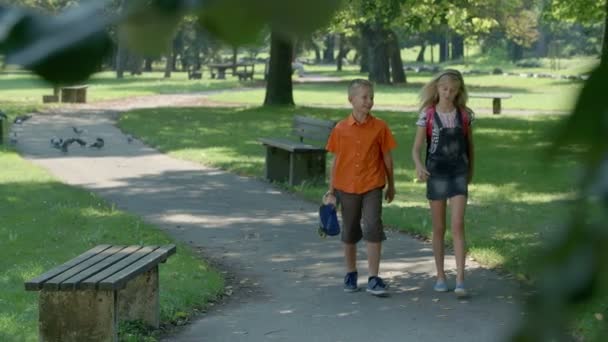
422 173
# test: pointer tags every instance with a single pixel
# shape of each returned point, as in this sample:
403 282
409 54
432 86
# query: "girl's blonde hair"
429 96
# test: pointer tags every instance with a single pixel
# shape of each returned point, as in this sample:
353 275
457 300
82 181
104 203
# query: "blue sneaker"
440 286
461 291
350 282
376 286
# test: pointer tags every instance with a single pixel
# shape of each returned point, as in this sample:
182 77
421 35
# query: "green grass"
45 223
518 200
528 93
19 86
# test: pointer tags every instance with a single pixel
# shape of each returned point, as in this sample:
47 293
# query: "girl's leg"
457 209
438 222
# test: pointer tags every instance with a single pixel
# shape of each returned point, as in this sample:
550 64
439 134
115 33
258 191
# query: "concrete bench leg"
140 300
277 164
75 316
306 166
496 106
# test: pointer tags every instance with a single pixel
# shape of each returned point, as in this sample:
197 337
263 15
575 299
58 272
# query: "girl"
445 124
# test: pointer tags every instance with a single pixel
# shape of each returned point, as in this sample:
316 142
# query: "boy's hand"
422 173
390 193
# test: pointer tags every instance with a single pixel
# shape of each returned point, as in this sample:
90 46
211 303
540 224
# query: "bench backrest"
312 128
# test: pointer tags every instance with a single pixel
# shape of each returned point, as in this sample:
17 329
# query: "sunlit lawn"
528 93
44 223
18 86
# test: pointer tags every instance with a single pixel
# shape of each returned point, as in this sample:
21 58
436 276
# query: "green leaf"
588 124
64 49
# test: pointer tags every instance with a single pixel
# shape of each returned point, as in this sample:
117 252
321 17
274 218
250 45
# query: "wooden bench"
85 298
496 99
296 161
74 94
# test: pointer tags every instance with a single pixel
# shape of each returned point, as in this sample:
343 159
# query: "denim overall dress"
447 161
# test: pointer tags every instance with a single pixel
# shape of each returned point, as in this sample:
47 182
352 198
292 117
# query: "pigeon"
98 143
66 143
129 138
77 130
80 142
56 142
3 116
21 118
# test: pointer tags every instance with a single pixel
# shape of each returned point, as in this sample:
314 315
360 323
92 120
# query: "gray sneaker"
350 282
376 286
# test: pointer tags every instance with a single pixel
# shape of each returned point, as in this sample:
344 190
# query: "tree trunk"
121 59
395 58
341 38
443 47
379 69
279 89
517 51
457 46
604 59
328 53
363 51
148 64
135 63
235 52
420 58
168 64
317 52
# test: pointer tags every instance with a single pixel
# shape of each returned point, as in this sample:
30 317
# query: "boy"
362 166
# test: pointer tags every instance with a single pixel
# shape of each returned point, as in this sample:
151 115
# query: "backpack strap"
465 120
430 114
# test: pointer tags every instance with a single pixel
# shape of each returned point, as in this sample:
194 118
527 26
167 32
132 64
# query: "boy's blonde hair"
429 96
359 83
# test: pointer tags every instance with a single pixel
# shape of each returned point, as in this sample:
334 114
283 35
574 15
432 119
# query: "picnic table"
218 70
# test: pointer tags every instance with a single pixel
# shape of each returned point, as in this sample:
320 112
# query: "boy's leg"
350 257
457 209
351 227
373 229
438 221
374 251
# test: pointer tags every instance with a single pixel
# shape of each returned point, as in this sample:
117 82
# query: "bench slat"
312 128
36 283
53 283
490 95
72 282
289 145
91 282
119 279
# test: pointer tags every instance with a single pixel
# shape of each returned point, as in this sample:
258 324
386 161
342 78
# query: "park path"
285 282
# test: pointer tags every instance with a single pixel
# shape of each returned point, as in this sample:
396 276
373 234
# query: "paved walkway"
287 283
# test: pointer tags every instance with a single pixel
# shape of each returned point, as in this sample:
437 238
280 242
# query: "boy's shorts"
366 207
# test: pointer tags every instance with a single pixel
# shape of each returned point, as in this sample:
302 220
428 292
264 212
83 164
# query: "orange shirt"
359 150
